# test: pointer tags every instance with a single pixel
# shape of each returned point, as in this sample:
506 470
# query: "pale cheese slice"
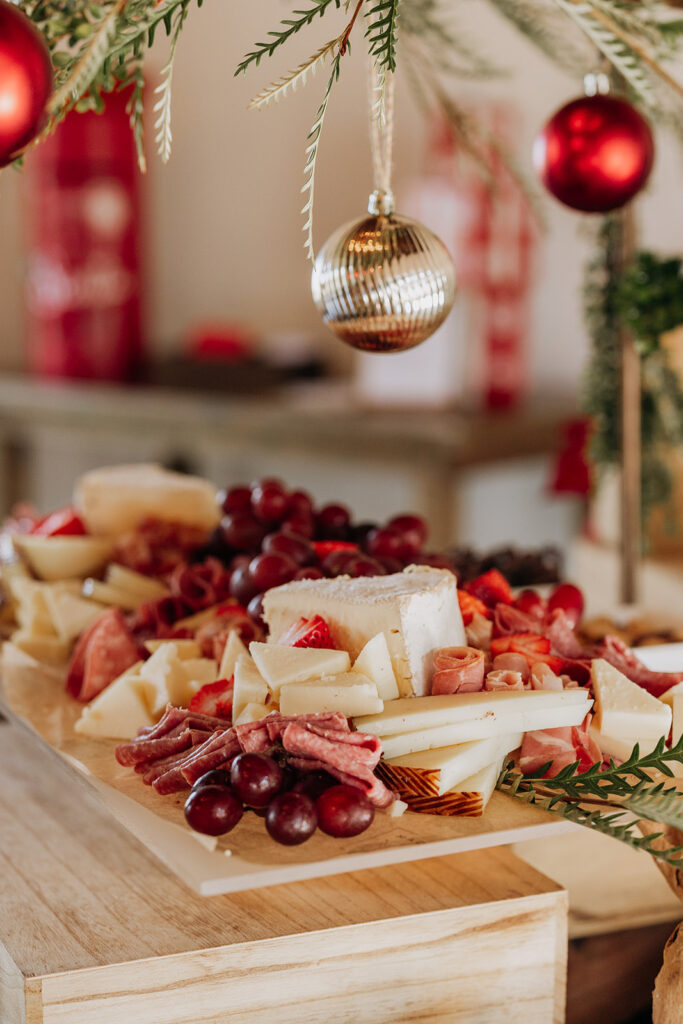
468 798
438 771
168 679
249 687
71 615
184 648
280 665
200 670
144 587
410 713
668 696
50 649
252 712
233 649
350 693
32 612
619 747
482 784
108 594
374 661
118 712
625 710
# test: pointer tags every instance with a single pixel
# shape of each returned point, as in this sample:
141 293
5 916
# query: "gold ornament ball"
384 283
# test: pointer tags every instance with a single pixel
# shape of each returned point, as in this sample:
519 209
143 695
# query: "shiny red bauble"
595 153
25 82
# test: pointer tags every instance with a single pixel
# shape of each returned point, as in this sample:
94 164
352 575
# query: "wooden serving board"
246 858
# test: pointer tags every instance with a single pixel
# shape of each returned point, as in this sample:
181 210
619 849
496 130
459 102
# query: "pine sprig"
162 107
291 27
312 156
274 92
381 33
88 65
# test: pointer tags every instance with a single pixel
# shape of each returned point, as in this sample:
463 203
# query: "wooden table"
92 929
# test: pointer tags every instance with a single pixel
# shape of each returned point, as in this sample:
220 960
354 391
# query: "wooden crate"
94 931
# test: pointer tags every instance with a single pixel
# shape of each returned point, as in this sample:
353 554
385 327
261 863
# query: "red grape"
255 609
256 779
242 531
333 521
359 533
570 599
301 504
239 560
212 810
242 586
237 499
336 562
313 784
388 542
390 565
413 528
363 565
216 777
433 559
291 818
271 570
344 811
295 547
302 526
269 501
309 572
531 602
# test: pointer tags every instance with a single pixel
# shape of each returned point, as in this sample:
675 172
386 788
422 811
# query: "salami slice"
503 679
458 670
110 650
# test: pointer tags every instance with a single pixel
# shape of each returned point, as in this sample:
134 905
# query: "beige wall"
223 217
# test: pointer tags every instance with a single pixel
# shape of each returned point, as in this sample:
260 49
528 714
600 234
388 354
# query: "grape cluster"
293 809
269 535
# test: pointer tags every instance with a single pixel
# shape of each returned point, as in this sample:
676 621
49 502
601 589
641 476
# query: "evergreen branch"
89 64
162 107
135 111
292 26
276 90
312 156
656 803
381 33
544 31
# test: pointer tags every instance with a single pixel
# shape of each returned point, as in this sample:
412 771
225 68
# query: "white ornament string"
381 113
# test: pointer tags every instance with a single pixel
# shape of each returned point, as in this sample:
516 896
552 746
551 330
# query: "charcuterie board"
34 698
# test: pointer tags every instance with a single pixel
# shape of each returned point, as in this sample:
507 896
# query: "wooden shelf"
93 929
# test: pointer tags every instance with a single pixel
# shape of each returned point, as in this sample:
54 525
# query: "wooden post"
630 435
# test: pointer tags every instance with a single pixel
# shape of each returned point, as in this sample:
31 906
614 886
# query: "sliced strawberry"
308 633
62 523
323 548
532 646
214 699
492 588
471 606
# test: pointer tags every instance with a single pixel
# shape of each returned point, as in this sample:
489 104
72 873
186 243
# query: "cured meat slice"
618 654
507 619
563 640
543 678
374 789
511 662
276 723
179 738
349 757
109 651
171 717
504 679
458 670
173 780
560 747
196 767
76 670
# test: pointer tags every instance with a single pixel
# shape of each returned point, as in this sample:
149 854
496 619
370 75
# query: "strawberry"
214 699
532 646
471 606
492 588
323 548
308 633
63 523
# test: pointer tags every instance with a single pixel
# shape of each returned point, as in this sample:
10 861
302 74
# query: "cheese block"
374 661
252 712
184 648
279 665
61 558
146 588
554 716
249 688
625 710
350 693
169 679
118 712
32 612
107 593
408 714
435 772
50 649
231 652
416 609
115 499
620 748
71 615
669 695
467 799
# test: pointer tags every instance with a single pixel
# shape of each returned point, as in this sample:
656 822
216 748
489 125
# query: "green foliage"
279 37
607 800
381 33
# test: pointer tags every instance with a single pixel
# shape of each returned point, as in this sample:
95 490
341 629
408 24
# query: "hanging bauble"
25 82
383 283
595 153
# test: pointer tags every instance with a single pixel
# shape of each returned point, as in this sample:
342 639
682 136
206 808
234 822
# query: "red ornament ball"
595 153
25 81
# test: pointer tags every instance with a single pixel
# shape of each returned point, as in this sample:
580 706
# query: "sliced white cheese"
71 614
280 665
410 713
438 771
623 709
200 670
50 649
396 809
252 712
106 593
118 712
551 717
32 612
374 661
250 687
61 558
233 648
350 693
668 696
184 648
620 748
169 679
482 783
144 587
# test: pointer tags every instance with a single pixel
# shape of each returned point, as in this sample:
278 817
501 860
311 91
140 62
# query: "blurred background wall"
223 227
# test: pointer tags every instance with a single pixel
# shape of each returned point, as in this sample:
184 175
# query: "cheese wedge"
374 661
408 714
61 558
625 710
670 694
169 679
184 648
231 652
416 609
551 717
350 693
280 665
620 748
70 614
252 713
118 712
32 612
435 772
145 587
200 670
250 687
107 593
50 649
468 799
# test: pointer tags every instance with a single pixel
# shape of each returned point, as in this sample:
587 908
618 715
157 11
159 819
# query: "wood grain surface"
93 929
37 700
